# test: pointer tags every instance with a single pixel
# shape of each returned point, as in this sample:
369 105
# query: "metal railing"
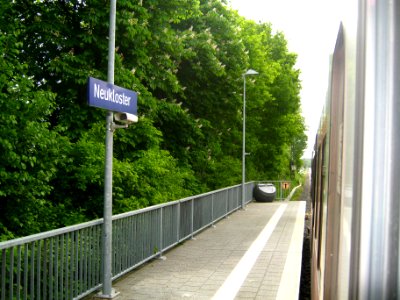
66 263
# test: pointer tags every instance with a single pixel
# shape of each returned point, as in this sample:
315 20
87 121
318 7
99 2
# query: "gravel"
305 280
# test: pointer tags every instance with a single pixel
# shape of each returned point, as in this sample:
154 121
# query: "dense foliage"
185 59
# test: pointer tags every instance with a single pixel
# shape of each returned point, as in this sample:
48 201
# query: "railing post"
161 232
212 210
226 202
178 226
192 218
238 197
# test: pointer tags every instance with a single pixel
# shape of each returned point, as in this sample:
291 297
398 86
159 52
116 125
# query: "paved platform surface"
253 254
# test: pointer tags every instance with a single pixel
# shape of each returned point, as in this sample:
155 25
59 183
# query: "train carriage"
355 180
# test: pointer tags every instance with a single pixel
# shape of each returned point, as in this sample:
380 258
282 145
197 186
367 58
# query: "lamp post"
249 72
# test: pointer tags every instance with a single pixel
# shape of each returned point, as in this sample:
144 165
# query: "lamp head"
250 72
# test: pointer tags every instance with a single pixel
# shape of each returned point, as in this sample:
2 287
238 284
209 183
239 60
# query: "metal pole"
244 142
108 292
249 72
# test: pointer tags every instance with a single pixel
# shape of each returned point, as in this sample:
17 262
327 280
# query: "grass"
297 194
299 191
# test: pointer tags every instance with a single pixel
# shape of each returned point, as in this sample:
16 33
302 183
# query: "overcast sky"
310 27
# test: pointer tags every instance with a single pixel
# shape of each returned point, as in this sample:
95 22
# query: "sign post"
113 98
107 291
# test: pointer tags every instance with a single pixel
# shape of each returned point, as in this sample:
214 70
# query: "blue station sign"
111 97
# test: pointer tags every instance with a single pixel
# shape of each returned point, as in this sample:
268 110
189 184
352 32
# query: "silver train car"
356 165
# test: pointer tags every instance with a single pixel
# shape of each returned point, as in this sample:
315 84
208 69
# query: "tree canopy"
185 59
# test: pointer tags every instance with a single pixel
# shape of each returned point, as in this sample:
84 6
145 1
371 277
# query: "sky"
310 27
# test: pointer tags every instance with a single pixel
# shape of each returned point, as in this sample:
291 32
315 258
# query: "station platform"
254 253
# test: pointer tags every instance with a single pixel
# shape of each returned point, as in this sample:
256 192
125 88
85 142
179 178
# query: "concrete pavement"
245 256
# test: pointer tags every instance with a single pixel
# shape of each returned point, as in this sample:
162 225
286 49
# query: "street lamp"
249 72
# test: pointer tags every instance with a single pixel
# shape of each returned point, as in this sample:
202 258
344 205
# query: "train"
355 189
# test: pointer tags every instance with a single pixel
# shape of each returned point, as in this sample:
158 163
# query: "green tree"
185 59
30 153
274 116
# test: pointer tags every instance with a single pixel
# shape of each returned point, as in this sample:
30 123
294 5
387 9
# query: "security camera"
125 118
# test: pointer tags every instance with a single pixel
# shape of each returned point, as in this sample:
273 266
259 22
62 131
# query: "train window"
320 212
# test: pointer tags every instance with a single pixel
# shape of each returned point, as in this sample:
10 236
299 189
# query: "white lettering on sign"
110 95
